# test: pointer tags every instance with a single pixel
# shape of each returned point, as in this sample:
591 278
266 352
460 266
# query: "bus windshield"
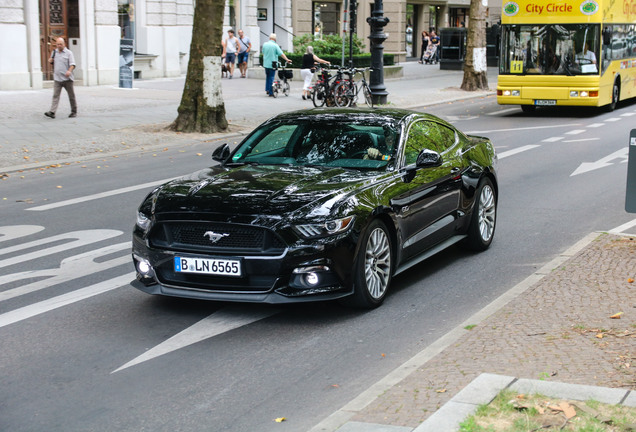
550 49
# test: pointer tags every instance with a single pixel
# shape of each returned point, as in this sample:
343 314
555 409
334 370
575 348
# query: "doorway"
58 18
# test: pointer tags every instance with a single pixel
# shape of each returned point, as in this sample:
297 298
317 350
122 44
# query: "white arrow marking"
219 322
601 163
16 231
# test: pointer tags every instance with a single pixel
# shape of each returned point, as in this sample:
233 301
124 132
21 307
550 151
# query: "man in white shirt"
230 47
63 64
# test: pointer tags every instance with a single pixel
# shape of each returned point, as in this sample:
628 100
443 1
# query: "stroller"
430 54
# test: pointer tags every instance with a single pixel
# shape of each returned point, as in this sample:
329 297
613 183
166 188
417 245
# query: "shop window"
326 18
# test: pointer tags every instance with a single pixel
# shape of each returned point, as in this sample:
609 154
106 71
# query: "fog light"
311 278
574 93
144 268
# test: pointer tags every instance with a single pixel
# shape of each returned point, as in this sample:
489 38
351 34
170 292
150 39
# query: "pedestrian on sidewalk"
271 51
245 46
308 68
435 40
230 48
425 40
63 65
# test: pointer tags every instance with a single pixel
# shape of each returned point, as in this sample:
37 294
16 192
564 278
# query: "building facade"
161 31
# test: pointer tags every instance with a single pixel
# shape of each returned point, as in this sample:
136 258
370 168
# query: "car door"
429 211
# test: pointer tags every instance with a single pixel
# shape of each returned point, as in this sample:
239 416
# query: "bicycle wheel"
275 87
318 96
342 94
368 98
286 88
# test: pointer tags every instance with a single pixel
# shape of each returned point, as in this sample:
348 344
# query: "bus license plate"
545 102
218 267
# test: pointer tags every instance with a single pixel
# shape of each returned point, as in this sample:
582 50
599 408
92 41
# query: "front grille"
230 238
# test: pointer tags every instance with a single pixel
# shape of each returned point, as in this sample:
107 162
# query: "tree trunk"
475 65
202 108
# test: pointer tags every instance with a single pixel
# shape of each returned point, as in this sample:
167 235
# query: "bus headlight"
584 93
574 93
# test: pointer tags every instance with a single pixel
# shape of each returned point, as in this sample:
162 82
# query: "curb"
338 420
483 389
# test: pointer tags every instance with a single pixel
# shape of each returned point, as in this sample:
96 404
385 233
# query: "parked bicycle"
281 84
320 91
347 91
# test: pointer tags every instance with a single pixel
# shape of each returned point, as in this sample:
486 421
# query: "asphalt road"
81 350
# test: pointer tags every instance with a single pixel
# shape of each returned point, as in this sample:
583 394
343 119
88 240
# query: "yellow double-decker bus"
567 52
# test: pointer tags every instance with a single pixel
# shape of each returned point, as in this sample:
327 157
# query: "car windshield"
355 143
551 49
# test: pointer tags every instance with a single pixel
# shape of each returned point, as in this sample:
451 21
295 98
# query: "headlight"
328 228
142 221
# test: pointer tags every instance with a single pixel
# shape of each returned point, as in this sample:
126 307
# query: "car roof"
393 115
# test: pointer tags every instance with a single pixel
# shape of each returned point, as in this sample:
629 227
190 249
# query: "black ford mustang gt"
318 205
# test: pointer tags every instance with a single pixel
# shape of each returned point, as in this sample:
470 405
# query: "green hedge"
359 60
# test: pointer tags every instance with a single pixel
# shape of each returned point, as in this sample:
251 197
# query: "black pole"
352 28
377 22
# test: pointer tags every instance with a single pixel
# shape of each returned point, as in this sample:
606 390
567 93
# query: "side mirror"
428 158
221 153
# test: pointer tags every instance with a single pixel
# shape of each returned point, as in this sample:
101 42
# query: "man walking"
230 47
271 51
245 46
63 65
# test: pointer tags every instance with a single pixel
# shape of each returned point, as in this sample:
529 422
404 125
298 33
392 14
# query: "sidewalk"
112 119
553 327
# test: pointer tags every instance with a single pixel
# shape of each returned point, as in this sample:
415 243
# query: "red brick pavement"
558 330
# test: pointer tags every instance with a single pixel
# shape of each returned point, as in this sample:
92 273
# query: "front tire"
373 267
286 88
318 96
368 98
484 218
616 91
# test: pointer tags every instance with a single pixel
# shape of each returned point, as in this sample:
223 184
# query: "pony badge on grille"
214 237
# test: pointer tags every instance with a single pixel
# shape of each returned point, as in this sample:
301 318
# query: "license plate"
545 102
219 267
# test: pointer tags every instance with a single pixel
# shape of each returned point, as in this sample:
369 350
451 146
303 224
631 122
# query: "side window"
427 135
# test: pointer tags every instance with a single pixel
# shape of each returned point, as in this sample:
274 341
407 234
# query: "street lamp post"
377 21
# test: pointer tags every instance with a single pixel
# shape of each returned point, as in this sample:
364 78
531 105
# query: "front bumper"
301 273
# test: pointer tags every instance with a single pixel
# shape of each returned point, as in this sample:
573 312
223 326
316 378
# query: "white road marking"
99 195
595 125
16 231
628 114
516 151
80 238
582 139
552 139
503 111
35 309
619 229
70 268
575 132
614 119
601 163
523 128
219 322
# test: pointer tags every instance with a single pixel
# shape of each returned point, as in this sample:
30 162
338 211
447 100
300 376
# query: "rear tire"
368 98
343 95
616 92
484 218
318 96
373 267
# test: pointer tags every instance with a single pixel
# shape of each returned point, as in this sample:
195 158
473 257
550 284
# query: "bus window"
551 49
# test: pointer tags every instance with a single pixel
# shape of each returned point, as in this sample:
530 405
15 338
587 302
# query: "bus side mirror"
607 36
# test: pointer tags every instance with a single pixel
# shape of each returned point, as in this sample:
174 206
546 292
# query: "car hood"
266 190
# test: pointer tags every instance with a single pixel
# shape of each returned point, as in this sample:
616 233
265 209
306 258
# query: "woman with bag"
308 68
